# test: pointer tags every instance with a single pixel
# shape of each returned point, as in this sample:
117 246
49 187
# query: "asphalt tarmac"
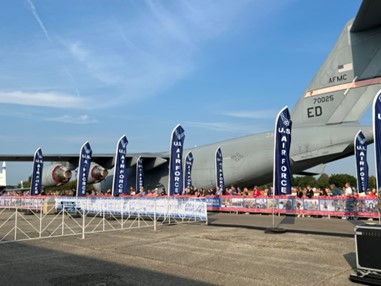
309 225
313 251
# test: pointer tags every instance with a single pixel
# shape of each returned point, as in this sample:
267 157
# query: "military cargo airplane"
325 122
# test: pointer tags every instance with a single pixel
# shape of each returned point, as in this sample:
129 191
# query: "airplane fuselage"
248 160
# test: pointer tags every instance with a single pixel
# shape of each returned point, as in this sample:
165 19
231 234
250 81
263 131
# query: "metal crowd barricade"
23 218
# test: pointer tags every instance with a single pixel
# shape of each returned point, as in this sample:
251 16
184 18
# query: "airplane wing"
305 173
104 160
17 190
327 151
151 160
317 171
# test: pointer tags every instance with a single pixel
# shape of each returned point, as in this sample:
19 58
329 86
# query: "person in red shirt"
257 192
372 193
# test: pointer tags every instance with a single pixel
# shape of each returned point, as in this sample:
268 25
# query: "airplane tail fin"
346 83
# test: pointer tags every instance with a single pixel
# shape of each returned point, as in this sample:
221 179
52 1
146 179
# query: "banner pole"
206 214
121 212
169 215
63 219
273 210
281 165
83 224
41 211
154 215
15 238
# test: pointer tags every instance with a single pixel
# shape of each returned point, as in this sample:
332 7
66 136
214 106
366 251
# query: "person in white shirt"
348 190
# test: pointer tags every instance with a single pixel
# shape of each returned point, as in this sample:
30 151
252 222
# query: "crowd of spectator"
307 192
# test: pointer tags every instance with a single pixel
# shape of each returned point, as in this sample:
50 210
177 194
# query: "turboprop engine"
55 175
96 173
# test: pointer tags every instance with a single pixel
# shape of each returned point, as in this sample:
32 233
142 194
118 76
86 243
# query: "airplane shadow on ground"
24 264
355 221
291 223
287 220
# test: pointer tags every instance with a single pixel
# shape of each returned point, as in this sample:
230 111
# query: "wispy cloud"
223 127
95 64
152 49
263 114
46 99
100 142
38 19
139 52
82 119
78 51
73 81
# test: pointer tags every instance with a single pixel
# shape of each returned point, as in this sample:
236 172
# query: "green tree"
323 181
295 181
340 179
372 182
304 181
24 184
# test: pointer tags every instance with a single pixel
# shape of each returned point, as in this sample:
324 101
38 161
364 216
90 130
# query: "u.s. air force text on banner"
139 174
188 170
83 168
220 182
361 162
36 180
176 176
120 179
282 143
377 137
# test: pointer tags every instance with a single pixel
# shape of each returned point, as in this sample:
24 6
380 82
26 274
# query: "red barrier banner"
333 206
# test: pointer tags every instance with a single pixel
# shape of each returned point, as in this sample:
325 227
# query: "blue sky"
72 71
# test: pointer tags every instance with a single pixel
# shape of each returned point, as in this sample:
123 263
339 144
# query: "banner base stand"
275 230
365 279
